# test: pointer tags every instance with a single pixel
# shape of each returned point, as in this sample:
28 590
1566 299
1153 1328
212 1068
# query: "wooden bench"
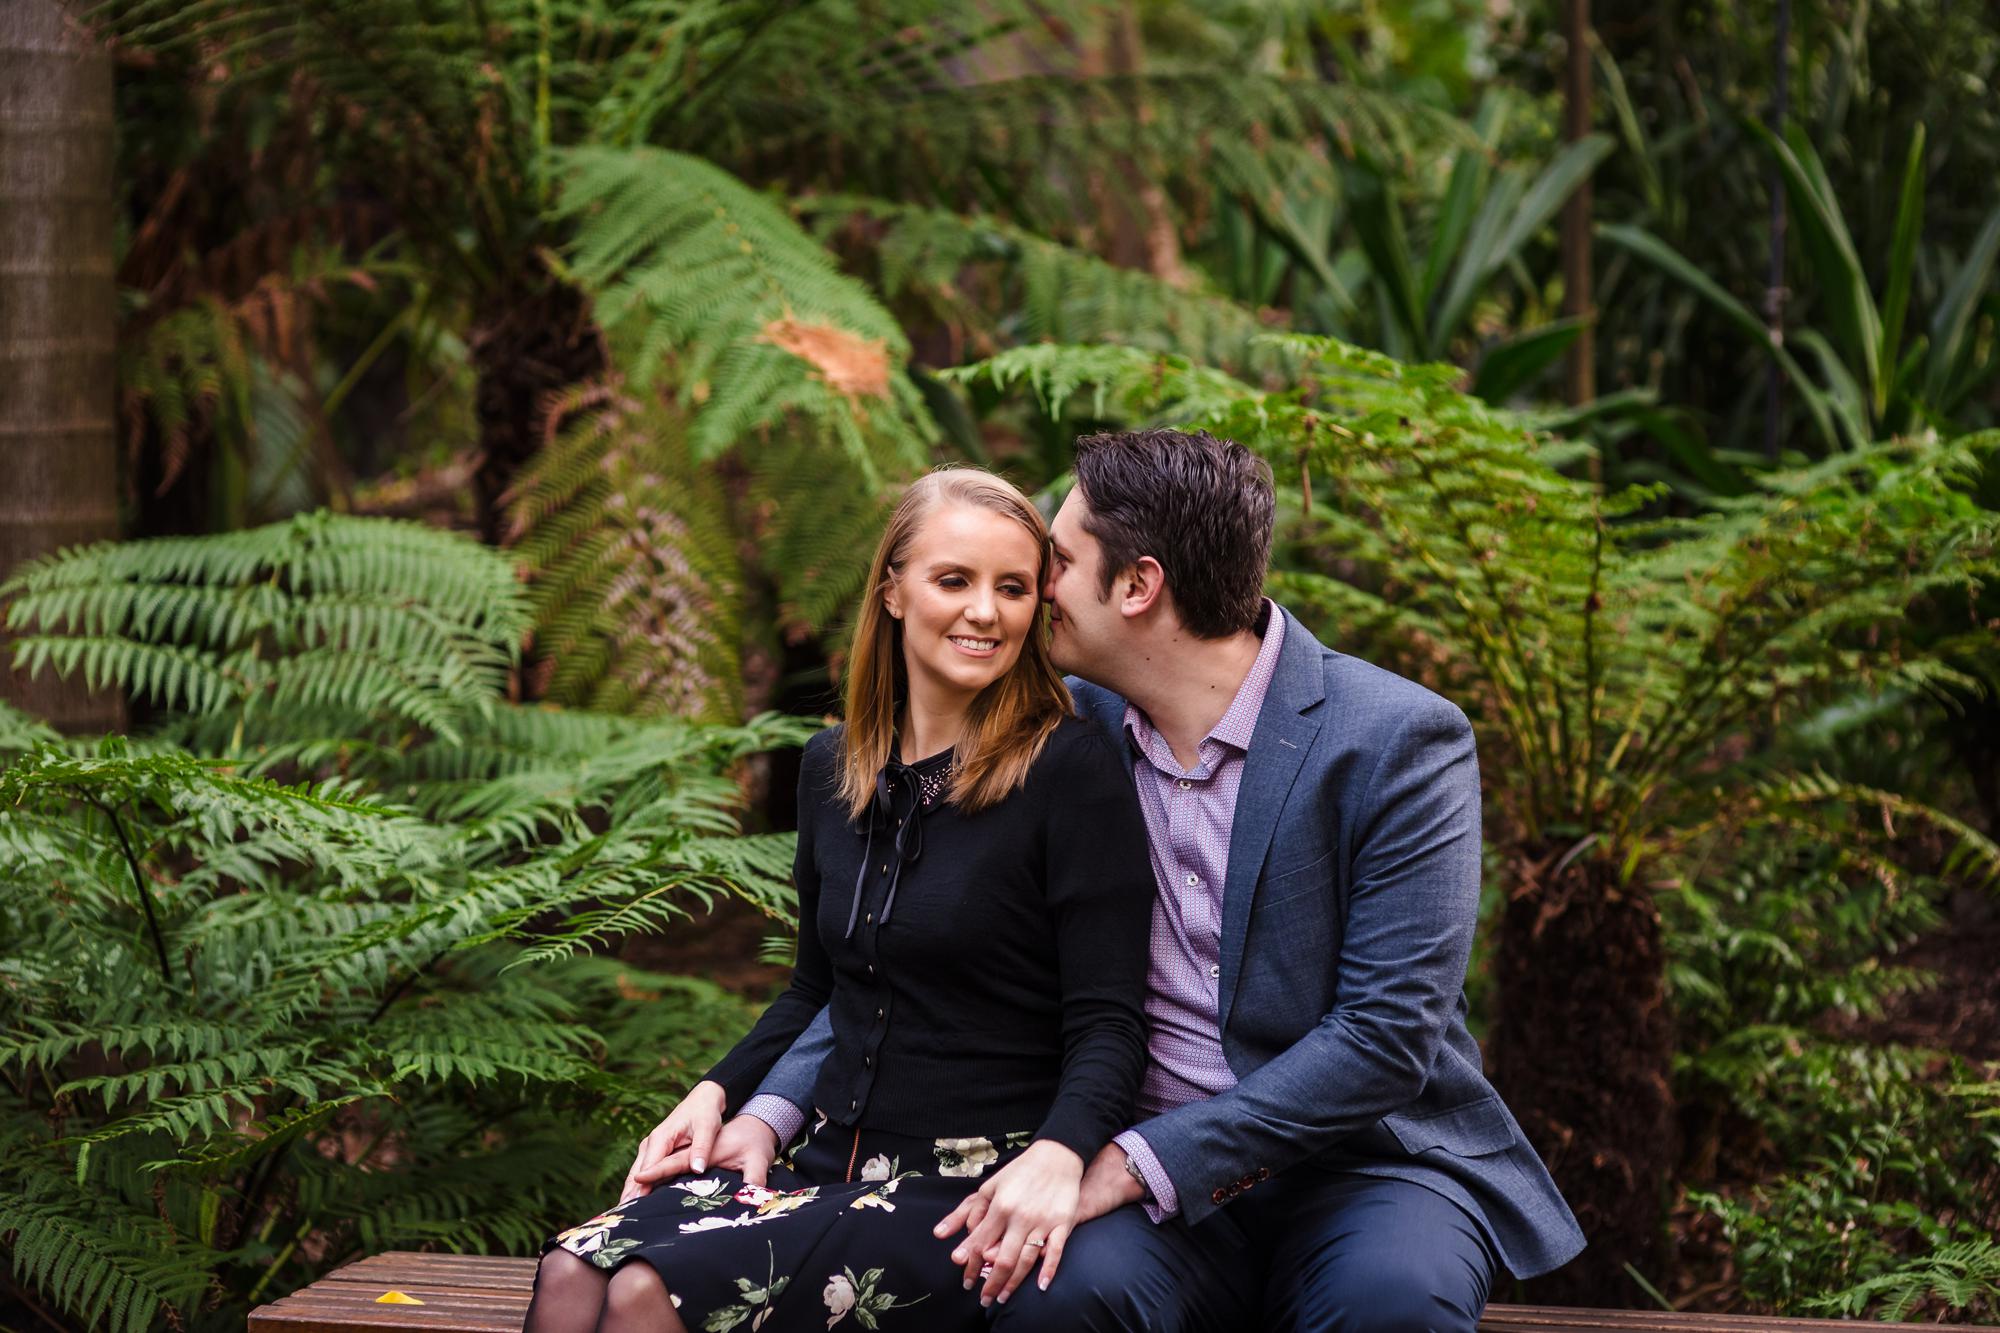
478 1294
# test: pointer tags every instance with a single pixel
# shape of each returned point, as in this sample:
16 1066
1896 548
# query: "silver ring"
1036 1243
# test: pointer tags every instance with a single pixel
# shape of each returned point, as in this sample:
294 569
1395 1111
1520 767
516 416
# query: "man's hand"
691 1126
745 1144
1106 1185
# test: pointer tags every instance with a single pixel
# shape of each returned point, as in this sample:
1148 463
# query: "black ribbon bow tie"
896 810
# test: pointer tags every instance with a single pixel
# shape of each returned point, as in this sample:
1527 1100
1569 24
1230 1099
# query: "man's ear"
1141 587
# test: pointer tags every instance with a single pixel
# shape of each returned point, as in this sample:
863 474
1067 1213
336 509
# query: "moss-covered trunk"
1581 1050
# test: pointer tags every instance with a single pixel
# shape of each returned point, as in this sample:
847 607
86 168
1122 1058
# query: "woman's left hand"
1023 1214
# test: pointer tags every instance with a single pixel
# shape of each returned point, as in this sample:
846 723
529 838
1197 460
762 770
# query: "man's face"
1086 630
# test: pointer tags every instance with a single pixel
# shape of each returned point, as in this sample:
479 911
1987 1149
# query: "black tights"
573 1295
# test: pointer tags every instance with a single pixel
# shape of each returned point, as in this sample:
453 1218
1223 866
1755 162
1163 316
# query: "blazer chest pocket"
1471 1130
1300 879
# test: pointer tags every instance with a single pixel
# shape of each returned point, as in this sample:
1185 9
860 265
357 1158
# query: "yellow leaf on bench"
396 1298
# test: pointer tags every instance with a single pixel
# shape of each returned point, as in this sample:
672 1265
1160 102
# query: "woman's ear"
892 602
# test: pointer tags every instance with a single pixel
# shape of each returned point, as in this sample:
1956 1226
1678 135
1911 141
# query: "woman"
974 899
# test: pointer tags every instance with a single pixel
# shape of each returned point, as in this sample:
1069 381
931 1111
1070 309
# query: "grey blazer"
1347 925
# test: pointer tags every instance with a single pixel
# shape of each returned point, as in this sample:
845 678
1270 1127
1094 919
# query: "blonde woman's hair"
1009 721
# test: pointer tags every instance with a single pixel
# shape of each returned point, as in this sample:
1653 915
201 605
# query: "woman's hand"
1022 1215
745 1144
692 1125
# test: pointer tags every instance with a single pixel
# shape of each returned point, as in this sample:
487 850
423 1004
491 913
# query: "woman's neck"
929 725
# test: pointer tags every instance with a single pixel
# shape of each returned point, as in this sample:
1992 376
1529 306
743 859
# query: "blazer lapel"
1277 750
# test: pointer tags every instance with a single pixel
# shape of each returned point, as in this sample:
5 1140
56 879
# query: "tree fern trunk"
58 311
1581 1052
531 340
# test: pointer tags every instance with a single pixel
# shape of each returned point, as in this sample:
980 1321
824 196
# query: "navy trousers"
1313 1252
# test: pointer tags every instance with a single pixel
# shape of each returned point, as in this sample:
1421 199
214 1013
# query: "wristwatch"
1132 1170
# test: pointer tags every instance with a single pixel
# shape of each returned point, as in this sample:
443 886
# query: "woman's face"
967 599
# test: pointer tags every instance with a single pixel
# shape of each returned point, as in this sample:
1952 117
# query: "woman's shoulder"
1078 749
819 766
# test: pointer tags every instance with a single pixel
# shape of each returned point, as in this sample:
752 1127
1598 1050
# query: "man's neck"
1184 685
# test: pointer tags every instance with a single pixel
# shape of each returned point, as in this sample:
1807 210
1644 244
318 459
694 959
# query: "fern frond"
760 323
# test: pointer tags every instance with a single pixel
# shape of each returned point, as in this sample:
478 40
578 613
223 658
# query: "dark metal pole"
1581 377
1774 288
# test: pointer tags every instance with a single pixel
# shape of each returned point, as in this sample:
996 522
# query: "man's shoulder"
1373 701
1094 703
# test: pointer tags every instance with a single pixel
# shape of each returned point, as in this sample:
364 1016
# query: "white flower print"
839 1297
878 1167
704 1194
861 1297
964 1157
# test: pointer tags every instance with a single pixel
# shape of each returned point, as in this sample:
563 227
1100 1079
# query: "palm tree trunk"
1582 1052
58 312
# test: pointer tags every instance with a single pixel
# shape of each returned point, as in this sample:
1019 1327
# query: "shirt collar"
1239 721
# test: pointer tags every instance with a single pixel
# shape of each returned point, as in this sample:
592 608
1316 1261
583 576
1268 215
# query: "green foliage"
1960 1276
758 322
1002 284
359 622
1487 218
1871 382
334 990
1606 658
633 572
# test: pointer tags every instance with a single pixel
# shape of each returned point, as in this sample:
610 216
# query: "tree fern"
334 989
759 323
636 582
372 619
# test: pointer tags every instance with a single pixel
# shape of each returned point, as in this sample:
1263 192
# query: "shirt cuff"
785 1119
1165 1203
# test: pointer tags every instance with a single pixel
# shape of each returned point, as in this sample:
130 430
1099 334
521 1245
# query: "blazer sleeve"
1099 880
747 1063
1412 910
797 1071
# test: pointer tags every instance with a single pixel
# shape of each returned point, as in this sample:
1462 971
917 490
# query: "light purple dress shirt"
1189 814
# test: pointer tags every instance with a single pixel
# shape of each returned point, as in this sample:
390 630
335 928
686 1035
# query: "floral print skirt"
839 1238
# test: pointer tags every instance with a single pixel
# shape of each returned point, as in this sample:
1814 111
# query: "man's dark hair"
1200 506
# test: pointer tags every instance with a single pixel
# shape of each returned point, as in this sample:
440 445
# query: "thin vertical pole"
1774 287
1580 384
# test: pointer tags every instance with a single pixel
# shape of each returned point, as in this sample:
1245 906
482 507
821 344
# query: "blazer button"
1235 1190
1247 1181
1220 1197
1263 1173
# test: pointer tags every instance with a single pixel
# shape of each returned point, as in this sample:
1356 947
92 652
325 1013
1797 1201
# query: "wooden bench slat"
482 1293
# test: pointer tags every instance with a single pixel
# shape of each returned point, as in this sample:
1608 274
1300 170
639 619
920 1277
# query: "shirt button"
871 969
1185 785
1194 881
1215 969
851 1105
870 918
885 867
867 1062
878 1013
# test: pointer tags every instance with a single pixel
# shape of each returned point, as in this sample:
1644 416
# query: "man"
1316 1145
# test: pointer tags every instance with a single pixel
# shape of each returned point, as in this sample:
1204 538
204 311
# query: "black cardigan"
1003 989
